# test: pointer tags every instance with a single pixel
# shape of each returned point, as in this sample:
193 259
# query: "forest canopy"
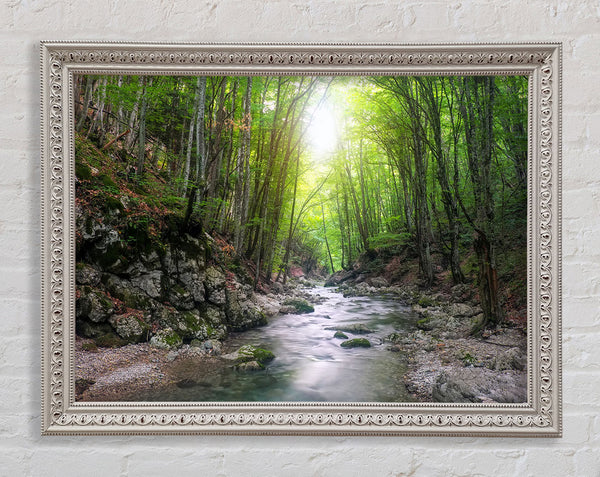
320 172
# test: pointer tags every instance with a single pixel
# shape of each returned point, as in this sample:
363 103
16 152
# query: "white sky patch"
322 132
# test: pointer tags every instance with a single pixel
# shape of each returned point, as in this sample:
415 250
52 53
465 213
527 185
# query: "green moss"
263 356
89 346
340 335
83 171
107 181
112 203
426 301
468 359
249 353
356 343
172 339
425 324
110 340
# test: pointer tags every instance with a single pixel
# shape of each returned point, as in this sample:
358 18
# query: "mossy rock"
299 305
131 328
248 353
91 346
83 171
112 203
341 335
427 324
426 301
166 339
107 181
356 343
110 340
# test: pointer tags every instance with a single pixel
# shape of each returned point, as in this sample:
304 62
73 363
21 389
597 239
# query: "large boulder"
355 328
356 343
130 327
93 305
250 354
214 283
189 325
296 306
340 277
166 339
150 283
378 282
480 384
241 313
462 309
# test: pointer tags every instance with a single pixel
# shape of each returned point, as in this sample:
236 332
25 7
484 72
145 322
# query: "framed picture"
301 239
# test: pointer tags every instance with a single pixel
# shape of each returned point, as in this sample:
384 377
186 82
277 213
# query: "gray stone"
356 328
378 282
242 314
462 309
180 297
480 385
86 275
513 358
193 282
250 366
93 305
149 283
131 328
129 294
166 339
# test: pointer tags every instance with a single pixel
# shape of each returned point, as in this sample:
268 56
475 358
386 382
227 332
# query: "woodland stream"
310 364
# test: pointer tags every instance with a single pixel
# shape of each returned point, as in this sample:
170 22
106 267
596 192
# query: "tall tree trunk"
326 241
476 106
242 169
142 131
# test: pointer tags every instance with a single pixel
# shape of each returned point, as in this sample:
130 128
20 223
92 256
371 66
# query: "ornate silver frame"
539 416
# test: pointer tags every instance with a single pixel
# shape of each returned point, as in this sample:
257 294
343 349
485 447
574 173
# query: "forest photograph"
301 238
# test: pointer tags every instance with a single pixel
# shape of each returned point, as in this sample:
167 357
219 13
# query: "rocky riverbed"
123 373
444 362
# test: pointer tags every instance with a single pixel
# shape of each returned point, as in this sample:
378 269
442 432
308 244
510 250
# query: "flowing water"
310 364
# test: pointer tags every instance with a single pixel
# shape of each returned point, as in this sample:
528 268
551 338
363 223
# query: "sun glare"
322 132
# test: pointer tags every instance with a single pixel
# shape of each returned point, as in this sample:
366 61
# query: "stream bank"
420 349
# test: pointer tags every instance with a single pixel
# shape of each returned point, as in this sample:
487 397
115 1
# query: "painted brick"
24 23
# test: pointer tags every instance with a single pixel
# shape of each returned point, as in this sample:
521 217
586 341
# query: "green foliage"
390 240
426 301
467 358
83 171
419 164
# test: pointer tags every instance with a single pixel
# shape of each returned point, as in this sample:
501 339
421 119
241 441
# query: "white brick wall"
24 22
